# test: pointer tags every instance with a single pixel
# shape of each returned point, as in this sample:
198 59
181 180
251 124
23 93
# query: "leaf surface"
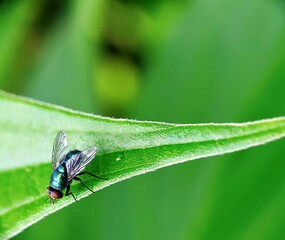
126 148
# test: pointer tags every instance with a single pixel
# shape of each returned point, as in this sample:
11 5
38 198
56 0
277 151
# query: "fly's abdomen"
58 178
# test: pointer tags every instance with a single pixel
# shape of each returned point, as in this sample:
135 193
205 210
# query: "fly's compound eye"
53 193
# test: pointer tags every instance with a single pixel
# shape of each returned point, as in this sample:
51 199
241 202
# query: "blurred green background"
173 61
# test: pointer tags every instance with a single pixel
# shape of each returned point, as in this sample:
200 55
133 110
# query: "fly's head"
54 193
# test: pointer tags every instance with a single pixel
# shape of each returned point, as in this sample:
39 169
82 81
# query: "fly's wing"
76 165
60 149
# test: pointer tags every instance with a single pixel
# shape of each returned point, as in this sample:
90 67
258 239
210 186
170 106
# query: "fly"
67 166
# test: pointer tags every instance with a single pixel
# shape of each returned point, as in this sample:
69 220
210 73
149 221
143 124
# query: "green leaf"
15 20
126 148
67 54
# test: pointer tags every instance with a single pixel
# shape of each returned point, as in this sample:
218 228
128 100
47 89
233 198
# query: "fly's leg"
78 179
91 174
67 193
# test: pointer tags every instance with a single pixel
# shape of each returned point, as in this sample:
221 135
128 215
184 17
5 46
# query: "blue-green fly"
67 166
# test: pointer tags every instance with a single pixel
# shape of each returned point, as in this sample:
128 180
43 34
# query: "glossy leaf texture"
126 148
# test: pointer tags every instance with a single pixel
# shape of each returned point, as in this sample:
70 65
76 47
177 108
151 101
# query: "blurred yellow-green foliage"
174 61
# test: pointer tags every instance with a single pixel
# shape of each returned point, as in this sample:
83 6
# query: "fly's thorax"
61 169
59 178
